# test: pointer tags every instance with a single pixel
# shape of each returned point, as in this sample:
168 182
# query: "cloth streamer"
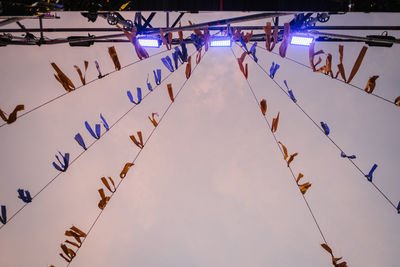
62 78
303 187
114 57
334 260
290 92
274 125
325 128
263 106
64 166
13 115
371 172
170 92
80 141
371 84
267 31
139 96
3 217
343 155
243 69
25 196
188 71
168 63
153 120
98 69
139 143
157 76
273 69
82 76
125 170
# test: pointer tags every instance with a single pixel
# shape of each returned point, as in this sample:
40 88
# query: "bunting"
139 143
153 120
334 260
64 164
82 76
275 121
80 141
285 40
243 69
267 31
13 115
303 187
62 78
263 106
114 57
25 196
77 234
170 92
139 96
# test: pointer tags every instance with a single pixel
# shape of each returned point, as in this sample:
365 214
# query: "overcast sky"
210 188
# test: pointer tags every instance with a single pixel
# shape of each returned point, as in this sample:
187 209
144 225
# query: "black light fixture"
74 41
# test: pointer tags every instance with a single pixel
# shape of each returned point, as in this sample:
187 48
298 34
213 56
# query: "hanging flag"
13 115
312 54
64 166
189 68
398 208
343 155
170 92
148 83
285 153
125 170
168 63
104 200
98 69
105 124
334 260
184 52
80 141
325 128
139 96
197 42
77 234
397 101
253 51
175 57
291 158
89 128
273 69
81 76
267 31
3 217
105 182
139 143
275 121
263 105
371 172
371 84
62 78
180 33
198 56
157 76
153 120
24 196
356 65
247 37
140 51
243 69
303 187
165 42
114 57
290 92
285 40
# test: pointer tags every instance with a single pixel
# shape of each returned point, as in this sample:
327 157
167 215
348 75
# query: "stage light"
301 40
148 42
220 42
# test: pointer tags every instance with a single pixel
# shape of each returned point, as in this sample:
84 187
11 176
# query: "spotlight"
301 40
149 42
218 41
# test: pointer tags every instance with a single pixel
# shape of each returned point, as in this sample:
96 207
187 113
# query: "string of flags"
13 115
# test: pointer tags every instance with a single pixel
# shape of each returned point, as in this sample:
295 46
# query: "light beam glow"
221 42
301 40
147 42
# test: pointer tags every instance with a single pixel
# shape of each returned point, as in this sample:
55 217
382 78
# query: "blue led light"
147 42
225 42
301 40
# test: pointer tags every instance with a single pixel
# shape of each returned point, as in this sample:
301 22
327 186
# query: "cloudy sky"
210 187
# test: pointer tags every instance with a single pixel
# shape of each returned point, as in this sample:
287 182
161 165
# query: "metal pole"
358 38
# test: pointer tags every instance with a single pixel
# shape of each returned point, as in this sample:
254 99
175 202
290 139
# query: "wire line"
137 155
280 149
70 164
330 139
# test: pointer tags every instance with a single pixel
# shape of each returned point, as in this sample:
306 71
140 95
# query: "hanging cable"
135 158
77 157
330 139
57 97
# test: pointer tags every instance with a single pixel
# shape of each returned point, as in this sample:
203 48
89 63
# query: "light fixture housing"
220 41
149 42
302 40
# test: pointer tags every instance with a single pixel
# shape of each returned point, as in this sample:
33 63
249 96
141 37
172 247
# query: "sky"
210 187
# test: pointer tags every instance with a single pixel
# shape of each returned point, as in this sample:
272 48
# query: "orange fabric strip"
263 105
299 177
285 41
285 156
397 101
188 67
125 170
312 54
243 69
357 64
198 57
105 182
153 120
304 187
180 33
114 57
275 121
334 260
81 76
103 202
62 78
371 84
170 92
267 31
291 158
